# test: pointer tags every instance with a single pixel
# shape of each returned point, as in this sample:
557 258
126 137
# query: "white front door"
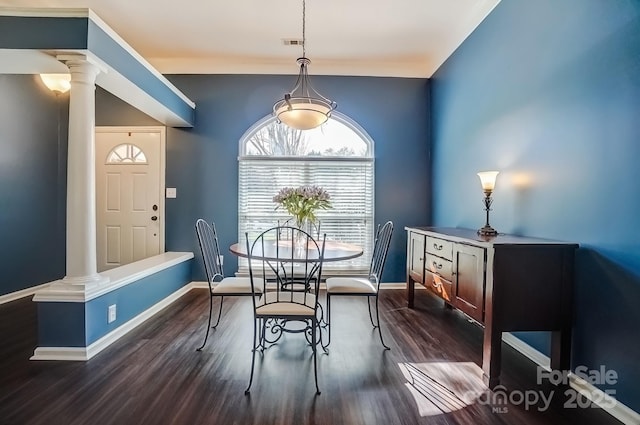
129 185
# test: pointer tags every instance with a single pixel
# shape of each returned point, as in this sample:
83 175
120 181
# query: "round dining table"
333 251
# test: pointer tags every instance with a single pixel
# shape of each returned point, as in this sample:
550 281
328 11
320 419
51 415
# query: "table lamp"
488 181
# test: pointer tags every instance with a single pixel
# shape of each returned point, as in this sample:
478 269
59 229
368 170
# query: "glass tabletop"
333 251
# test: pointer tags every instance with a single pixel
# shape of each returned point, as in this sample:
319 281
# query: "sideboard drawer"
440 247
439 266
439 286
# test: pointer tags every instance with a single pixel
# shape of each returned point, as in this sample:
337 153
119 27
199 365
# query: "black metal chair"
285 254
219 285
368 286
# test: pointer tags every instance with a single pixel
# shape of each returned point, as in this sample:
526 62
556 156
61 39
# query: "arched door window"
338 156
126 153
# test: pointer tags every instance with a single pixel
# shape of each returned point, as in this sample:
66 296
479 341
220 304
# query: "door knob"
154 218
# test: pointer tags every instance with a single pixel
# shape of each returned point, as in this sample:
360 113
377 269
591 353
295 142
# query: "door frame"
163 145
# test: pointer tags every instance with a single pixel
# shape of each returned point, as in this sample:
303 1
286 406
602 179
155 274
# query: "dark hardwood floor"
155 376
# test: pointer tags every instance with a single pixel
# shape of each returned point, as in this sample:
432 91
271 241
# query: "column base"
71 289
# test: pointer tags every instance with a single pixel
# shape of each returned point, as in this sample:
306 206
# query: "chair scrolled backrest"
380 250
208 240
279 255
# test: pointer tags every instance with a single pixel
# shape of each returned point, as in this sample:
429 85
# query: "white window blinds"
349 182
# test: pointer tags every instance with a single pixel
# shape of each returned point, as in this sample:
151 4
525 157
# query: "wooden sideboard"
505 283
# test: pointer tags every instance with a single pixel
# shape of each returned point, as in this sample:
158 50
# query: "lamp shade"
302 113
488 179
57 82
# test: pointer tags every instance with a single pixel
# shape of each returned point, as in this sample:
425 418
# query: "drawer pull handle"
437 266
437 247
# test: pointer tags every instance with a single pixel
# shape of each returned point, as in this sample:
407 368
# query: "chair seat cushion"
286 304
236 285
350 285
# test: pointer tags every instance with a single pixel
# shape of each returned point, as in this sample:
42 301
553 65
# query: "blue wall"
133 299
548 92
202 162
32 183
76 324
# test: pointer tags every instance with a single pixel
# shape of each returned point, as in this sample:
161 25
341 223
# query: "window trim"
368 157
341 118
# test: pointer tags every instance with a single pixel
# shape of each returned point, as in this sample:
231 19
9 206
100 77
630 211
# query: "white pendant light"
303 108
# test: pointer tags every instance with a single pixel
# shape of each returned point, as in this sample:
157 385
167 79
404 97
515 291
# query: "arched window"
126 153
338 156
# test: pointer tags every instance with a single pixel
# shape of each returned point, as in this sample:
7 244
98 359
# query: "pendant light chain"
303 108
304 25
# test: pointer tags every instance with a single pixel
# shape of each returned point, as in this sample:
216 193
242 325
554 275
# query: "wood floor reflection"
155 376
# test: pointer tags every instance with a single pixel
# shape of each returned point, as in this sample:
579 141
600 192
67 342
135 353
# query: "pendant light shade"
303 108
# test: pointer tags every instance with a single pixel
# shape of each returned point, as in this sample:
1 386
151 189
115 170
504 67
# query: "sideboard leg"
491 357
561 339
561 350
410 292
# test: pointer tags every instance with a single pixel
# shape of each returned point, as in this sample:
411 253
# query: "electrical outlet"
112 313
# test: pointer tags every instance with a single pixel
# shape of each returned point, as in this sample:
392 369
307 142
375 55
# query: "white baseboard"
536 356
397 285
84 354
619 411
21 294
60 353
393 285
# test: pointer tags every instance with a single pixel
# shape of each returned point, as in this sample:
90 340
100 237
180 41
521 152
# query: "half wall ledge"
118 277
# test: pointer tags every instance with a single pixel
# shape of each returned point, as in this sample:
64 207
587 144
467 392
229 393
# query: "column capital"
83 68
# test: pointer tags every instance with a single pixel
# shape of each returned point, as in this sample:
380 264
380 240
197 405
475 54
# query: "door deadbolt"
155 208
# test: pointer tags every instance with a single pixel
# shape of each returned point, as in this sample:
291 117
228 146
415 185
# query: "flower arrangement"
302 202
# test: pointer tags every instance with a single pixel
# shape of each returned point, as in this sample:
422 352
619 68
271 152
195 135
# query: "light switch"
172 192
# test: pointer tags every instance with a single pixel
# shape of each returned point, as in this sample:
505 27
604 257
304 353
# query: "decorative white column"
81 264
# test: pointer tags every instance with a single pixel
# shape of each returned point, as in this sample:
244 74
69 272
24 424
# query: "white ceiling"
401 38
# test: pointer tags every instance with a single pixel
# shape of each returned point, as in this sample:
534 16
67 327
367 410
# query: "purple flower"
302 202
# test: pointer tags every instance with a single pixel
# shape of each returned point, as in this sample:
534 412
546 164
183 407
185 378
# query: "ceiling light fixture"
303 108
57 83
